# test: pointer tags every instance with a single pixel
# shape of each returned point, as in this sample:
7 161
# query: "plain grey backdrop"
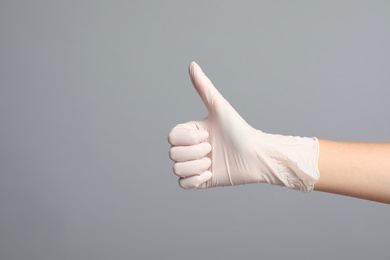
90 89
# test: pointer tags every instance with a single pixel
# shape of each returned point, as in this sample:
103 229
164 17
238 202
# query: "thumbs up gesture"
224 150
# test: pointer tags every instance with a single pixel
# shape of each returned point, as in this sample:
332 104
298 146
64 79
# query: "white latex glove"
224 150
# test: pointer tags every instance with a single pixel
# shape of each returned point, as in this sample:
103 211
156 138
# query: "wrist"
290 161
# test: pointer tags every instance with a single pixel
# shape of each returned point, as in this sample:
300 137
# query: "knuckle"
187 183
177 169
172 153
171 137
182 184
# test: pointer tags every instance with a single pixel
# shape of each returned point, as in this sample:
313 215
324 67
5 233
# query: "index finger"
186 136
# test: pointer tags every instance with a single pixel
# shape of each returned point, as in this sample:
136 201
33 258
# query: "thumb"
215 103
203 85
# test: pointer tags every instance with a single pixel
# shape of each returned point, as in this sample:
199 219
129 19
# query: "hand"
224 150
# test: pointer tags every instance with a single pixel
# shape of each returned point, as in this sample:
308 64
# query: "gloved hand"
224 150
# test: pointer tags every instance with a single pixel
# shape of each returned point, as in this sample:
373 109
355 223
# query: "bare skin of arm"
360 170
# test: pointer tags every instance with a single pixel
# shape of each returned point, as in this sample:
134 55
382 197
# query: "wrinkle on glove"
224 150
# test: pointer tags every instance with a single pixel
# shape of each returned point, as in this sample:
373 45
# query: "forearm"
359 170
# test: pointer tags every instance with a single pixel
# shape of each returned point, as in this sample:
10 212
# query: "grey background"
90 89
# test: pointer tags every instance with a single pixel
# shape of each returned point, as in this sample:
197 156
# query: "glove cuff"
300 170
290 161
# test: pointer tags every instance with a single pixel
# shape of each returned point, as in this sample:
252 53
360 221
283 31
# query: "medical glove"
224 150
